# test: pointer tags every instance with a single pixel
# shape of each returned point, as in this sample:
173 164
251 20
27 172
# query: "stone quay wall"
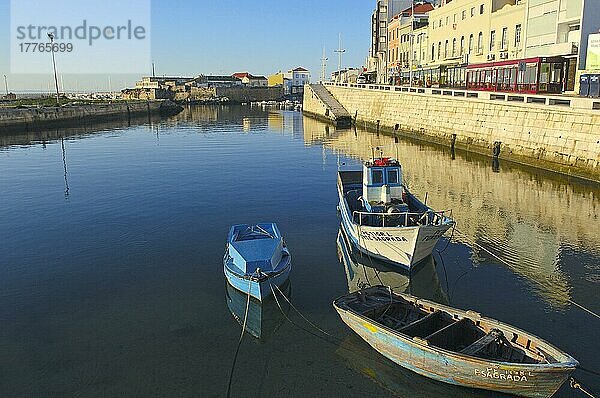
31 119
552 137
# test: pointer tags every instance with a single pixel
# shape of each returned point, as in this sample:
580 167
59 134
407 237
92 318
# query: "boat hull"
259 289
518 379
402 246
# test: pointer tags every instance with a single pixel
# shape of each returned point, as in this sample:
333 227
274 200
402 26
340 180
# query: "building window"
446 50
382 24
517 35
382 39
471 43
433 51
439 50
447 20
504 38
433 26
454 47
481 8
454 19
492 40
472 11
464 15
462 45
480 43
383 9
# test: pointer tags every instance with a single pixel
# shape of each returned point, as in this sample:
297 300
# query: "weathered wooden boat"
256 259
383 219
455 346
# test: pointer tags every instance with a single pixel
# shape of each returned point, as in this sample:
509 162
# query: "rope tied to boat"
237 350
577 386
475 244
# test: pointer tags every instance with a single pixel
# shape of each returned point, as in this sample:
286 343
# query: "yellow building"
407 42
276 80
476 31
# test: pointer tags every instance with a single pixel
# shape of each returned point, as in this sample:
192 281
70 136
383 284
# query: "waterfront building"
162 82
377 62
463 32
215 81
527 46
347 75
561 28
298 77
250 80
407 42
281 79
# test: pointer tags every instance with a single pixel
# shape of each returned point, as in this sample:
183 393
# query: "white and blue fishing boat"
383 219
256 260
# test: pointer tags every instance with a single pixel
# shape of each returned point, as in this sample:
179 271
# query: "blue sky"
221 37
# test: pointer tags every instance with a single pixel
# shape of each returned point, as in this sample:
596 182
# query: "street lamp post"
323 66
340 52
6 85
51 37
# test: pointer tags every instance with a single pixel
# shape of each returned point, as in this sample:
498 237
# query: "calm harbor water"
112 239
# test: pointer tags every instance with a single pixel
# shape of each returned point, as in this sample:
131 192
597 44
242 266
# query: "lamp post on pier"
51 37
340 51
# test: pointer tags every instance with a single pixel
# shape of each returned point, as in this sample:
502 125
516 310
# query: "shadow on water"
363 271
264 318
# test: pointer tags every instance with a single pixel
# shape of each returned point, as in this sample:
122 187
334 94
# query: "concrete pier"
551 136
320 104
32 119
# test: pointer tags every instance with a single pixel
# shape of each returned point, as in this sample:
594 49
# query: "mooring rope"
577 386
237 350
326 337
508 265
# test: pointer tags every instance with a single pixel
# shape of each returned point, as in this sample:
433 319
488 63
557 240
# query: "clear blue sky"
190 37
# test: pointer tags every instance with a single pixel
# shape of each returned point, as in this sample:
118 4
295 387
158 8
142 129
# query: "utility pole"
412 39
340 52
153 70
323 66
51 37
6 85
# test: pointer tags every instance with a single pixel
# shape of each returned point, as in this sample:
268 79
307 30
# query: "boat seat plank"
445 329
481 344
418 327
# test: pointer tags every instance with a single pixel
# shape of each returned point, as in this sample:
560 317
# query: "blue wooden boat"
256 260
454 346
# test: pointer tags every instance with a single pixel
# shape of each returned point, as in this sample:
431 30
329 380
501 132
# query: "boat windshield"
254 232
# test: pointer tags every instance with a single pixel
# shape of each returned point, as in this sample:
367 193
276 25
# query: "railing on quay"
563 101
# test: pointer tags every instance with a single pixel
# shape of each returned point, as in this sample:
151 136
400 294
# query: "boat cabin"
382 186
253 247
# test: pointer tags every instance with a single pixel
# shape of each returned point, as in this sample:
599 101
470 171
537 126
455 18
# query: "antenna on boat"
373 153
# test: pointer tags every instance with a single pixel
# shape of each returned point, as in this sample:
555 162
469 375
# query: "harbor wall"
31 119
250 94
557 138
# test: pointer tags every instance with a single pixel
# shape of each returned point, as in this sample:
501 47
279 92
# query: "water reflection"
362 271
398 381
264 319
525 219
